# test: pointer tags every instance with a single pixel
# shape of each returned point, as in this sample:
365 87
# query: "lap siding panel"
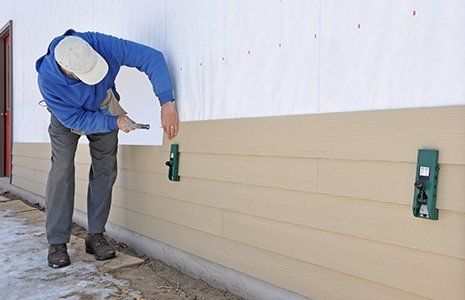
317 204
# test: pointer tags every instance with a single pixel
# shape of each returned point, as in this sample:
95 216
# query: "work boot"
58 256
97 245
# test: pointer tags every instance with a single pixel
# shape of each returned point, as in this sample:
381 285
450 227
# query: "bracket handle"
173 163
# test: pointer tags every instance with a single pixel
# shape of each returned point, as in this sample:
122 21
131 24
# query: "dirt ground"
153 279
157 280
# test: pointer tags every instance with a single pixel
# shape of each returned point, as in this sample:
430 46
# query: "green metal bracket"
424 200
173 163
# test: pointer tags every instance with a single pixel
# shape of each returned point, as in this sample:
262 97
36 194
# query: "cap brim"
95 75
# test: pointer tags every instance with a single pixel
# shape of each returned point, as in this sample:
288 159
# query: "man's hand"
170 119
124 123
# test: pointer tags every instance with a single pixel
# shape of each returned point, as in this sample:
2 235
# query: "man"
77 81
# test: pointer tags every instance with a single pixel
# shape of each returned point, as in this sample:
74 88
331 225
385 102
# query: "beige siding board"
25 173
258 136
38 150
384 181
43 165
196 216
451 188
410 270
128 156
32 162
83 154
388 135
80 203
40 176
43 151
298 174
81 187
354 135
387 181
30 174
143 158
395 135
343 178
379 221
362 183
145 182
29 185
82 171
199 217
307 279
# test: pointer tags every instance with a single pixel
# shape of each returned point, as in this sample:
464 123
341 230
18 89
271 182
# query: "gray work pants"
59 196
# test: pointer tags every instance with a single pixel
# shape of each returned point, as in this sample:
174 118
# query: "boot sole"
90 251
55 266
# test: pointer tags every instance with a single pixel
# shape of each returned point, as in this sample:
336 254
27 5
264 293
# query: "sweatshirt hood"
48 68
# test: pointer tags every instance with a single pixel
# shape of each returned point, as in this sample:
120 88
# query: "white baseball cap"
75 55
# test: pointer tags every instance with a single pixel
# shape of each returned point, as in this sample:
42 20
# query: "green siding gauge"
424 200
173 163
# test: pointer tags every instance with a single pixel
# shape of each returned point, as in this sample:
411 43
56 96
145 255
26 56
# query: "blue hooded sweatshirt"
76 104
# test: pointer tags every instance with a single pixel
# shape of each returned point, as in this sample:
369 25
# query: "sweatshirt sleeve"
77 118
144 58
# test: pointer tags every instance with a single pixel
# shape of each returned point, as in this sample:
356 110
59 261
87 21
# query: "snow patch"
25 274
